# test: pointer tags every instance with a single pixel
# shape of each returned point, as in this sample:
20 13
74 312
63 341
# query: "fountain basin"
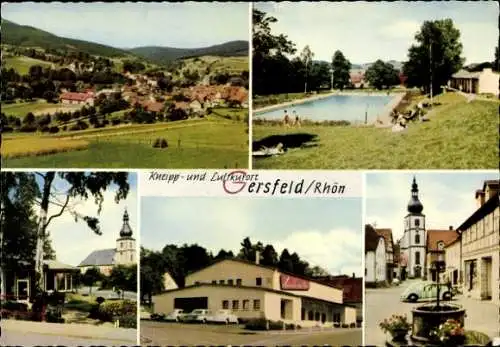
428 317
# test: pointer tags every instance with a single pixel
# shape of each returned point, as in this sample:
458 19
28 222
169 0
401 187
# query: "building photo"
58 286
433 239
292 265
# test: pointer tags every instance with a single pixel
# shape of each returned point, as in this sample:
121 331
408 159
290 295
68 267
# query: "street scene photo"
69 258
432 258
146 85
360 85
240 271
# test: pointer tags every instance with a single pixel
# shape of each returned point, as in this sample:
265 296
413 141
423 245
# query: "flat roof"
270 290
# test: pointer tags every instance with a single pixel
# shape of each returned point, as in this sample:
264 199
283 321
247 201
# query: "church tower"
125 245
414 238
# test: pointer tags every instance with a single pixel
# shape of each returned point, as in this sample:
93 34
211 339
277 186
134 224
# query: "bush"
108 311
276 325
336 325
256 324
28 128
290 326
14 306
160 143
344 325
115 121
45 129
53 130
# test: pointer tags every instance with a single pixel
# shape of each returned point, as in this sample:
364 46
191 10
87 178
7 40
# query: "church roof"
99 258
126 230
415 206
371 238
447 236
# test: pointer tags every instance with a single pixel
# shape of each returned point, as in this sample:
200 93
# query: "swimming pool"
337 107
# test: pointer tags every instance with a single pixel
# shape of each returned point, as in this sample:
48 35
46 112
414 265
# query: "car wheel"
412 298
447 296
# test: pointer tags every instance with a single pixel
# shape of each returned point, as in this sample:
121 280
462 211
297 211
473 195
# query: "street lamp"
438 267
331 81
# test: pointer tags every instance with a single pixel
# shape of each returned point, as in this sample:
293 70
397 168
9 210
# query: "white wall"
370 266
380 261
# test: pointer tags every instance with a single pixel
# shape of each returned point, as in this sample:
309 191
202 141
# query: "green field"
22 64
459 135
191 144
231 65
21 109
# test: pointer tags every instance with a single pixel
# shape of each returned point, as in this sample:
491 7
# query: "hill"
26 36
163 55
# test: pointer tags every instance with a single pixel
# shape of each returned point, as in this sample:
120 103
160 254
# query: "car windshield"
197 312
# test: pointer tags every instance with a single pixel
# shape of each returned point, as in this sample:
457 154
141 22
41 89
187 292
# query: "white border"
363 265
250 84
138 255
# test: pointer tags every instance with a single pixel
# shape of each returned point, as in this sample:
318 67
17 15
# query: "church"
106 259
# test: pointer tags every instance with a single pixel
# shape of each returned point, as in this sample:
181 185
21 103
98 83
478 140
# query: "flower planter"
399 334
428 317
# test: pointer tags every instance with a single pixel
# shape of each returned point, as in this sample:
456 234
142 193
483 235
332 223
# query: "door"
23 289
190 304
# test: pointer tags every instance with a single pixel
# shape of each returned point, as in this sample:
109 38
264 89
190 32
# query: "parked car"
222 316
196 316
176 315
426 291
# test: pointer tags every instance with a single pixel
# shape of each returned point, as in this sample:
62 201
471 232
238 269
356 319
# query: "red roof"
356 77
447 236
75 96
153 106
352 287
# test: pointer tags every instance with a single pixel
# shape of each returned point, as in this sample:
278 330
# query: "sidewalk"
84 331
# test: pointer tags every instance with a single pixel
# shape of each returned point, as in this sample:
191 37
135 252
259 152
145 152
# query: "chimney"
257 257
451 227
479 198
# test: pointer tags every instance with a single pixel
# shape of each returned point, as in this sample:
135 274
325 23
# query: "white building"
481 82
105 259
375 256
413 241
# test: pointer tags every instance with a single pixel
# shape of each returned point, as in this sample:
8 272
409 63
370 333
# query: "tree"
317 271
269 256
341 67
285 262
123 278
153 268
435 57
306 57
18 222
81 185
29 118
496 62
90 277
382 75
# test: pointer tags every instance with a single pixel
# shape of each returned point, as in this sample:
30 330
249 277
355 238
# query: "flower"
451 329
395 322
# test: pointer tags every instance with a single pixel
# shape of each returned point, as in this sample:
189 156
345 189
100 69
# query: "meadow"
21 109
22 64
203 143
459 135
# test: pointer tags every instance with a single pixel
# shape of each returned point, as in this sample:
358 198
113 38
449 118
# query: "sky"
324 232
129 25
74 241
448 198
367 31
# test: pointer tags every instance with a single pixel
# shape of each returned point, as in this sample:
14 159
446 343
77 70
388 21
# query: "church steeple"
415 206
126 230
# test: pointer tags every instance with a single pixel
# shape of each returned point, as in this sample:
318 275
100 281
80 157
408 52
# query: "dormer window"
440 245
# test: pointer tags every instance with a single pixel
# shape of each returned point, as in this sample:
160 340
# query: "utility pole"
331 81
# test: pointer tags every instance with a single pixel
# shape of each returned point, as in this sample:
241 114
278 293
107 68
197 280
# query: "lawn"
192 144
22 64
459 135
21 109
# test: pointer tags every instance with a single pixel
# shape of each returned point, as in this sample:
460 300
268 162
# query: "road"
160 333
383 302
18 338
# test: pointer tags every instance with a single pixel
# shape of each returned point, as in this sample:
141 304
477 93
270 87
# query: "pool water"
337 107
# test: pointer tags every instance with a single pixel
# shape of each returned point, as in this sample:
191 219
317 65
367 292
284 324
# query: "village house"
481 245
453 262
389 251
481 82
375 257
357 79
436 242
106 259
77 98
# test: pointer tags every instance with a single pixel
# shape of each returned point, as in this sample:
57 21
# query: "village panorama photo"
69 258
148 85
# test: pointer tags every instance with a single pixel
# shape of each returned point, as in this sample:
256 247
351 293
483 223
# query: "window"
238 282
230 282
417 258
366 271
225 304
256 305
236 305
131 257
221 281
310 315
316 317
214 282
303 314
417 239
121 244
246 304
258 281
336 317
417 222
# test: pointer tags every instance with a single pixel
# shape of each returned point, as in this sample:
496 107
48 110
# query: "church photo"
432 239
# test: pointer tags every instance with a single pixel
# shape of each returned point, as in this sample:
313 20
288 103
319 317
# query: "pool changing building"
251 290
